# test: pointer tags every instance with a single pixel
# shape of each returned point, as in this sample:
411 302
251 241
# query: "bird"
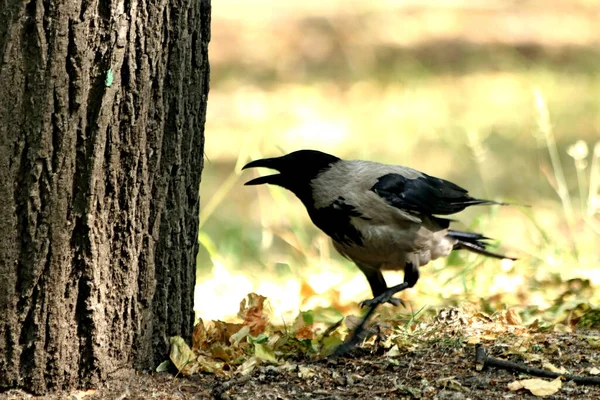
381 217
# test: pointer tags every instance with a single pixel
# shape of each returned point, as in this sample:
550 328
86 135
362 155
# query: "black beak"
272 163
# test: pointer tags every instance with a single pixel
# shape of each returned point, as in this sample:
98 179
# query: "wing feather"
425 194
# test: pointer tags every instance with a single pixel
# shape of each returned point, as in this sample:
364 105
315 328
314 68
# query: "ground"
440 367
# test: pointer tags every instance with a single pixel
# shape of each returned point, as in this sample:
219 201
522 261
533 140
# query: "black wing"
335 221
426 194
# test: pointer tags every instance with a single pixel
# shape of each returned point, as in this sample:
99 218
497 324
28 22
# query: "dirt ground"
443 369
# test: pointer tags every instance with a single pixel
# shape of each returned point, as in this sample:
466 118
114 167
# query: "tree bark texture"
102 111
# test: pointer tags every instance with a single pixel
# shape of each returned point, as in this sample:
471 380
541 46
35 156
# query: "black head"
296 169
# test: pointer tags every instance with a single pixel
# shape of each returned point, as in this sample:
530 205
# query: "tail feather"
474 242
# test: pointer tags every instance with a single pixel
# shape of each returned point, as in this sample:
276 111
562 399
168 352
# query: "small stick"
482 360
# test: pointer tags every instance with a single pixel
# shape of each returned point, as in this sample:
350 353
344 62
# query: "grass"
511 121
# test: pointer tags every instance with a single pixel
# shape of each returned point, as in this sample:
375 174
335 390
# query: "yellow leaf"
205 364
513 317
248 366
551 367
181 355
489 336
393 352
80 394
537 387
473 340
305 372
562 328
264 353
514 386
330 343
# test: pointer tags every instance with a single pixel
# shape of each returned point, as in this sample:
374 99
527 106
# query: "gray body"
391 236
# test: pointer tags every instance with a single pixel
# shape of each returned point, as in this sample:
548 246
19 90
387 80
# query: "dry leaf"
248 366
393 352
199 337
81 394
251 311
306 332
182 356
595 371
473 340
305 372
513 317
537 387
221 332
550 367
264 353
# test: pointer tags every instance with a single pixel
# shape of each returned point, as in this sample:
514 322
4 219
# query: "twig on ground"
482 360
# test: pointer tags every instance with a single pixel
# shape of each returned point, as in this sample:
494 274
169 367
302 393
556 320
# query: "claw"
381 299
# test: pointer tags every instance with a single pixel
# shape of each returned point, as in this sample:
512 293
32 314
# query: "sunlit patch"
506 264
506 283
283 298
318 132
251 103
218 297
323 281
593 274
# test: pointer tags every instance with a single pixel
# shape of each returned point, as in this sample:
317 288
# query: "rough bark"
102 111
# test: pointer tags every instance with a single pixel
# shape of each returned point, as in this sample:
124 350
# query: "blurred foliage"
500 97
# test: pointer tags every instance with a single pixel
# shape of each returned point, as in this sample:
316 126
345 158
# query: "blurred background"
500 97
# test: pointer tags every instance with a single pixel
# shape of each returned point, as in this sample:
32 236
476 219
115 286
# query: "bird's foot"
386 296
381 299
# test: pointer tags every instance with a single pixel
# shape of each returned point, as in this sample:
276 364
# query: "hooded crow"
382 217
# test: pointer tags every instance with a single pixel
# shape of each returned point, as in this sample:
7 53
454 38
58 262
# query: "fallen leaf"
206 364
221 332
237 337
251 311
223 353
513 317
82 394
537 387
248 366
562 328
330 343
393 352
473 340
305 372
163 366
595 371
199 337
306 332
264 353
181 355
551 367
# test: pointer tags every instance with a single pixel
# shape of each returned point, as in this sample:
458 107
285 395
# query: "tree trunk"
102 110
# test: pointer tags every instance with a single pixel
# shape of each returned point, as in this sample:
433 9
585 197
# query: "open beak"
272 163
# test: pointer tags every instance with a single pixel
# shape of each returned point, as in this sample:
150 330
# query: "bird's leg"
377 283
357 336
411 276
